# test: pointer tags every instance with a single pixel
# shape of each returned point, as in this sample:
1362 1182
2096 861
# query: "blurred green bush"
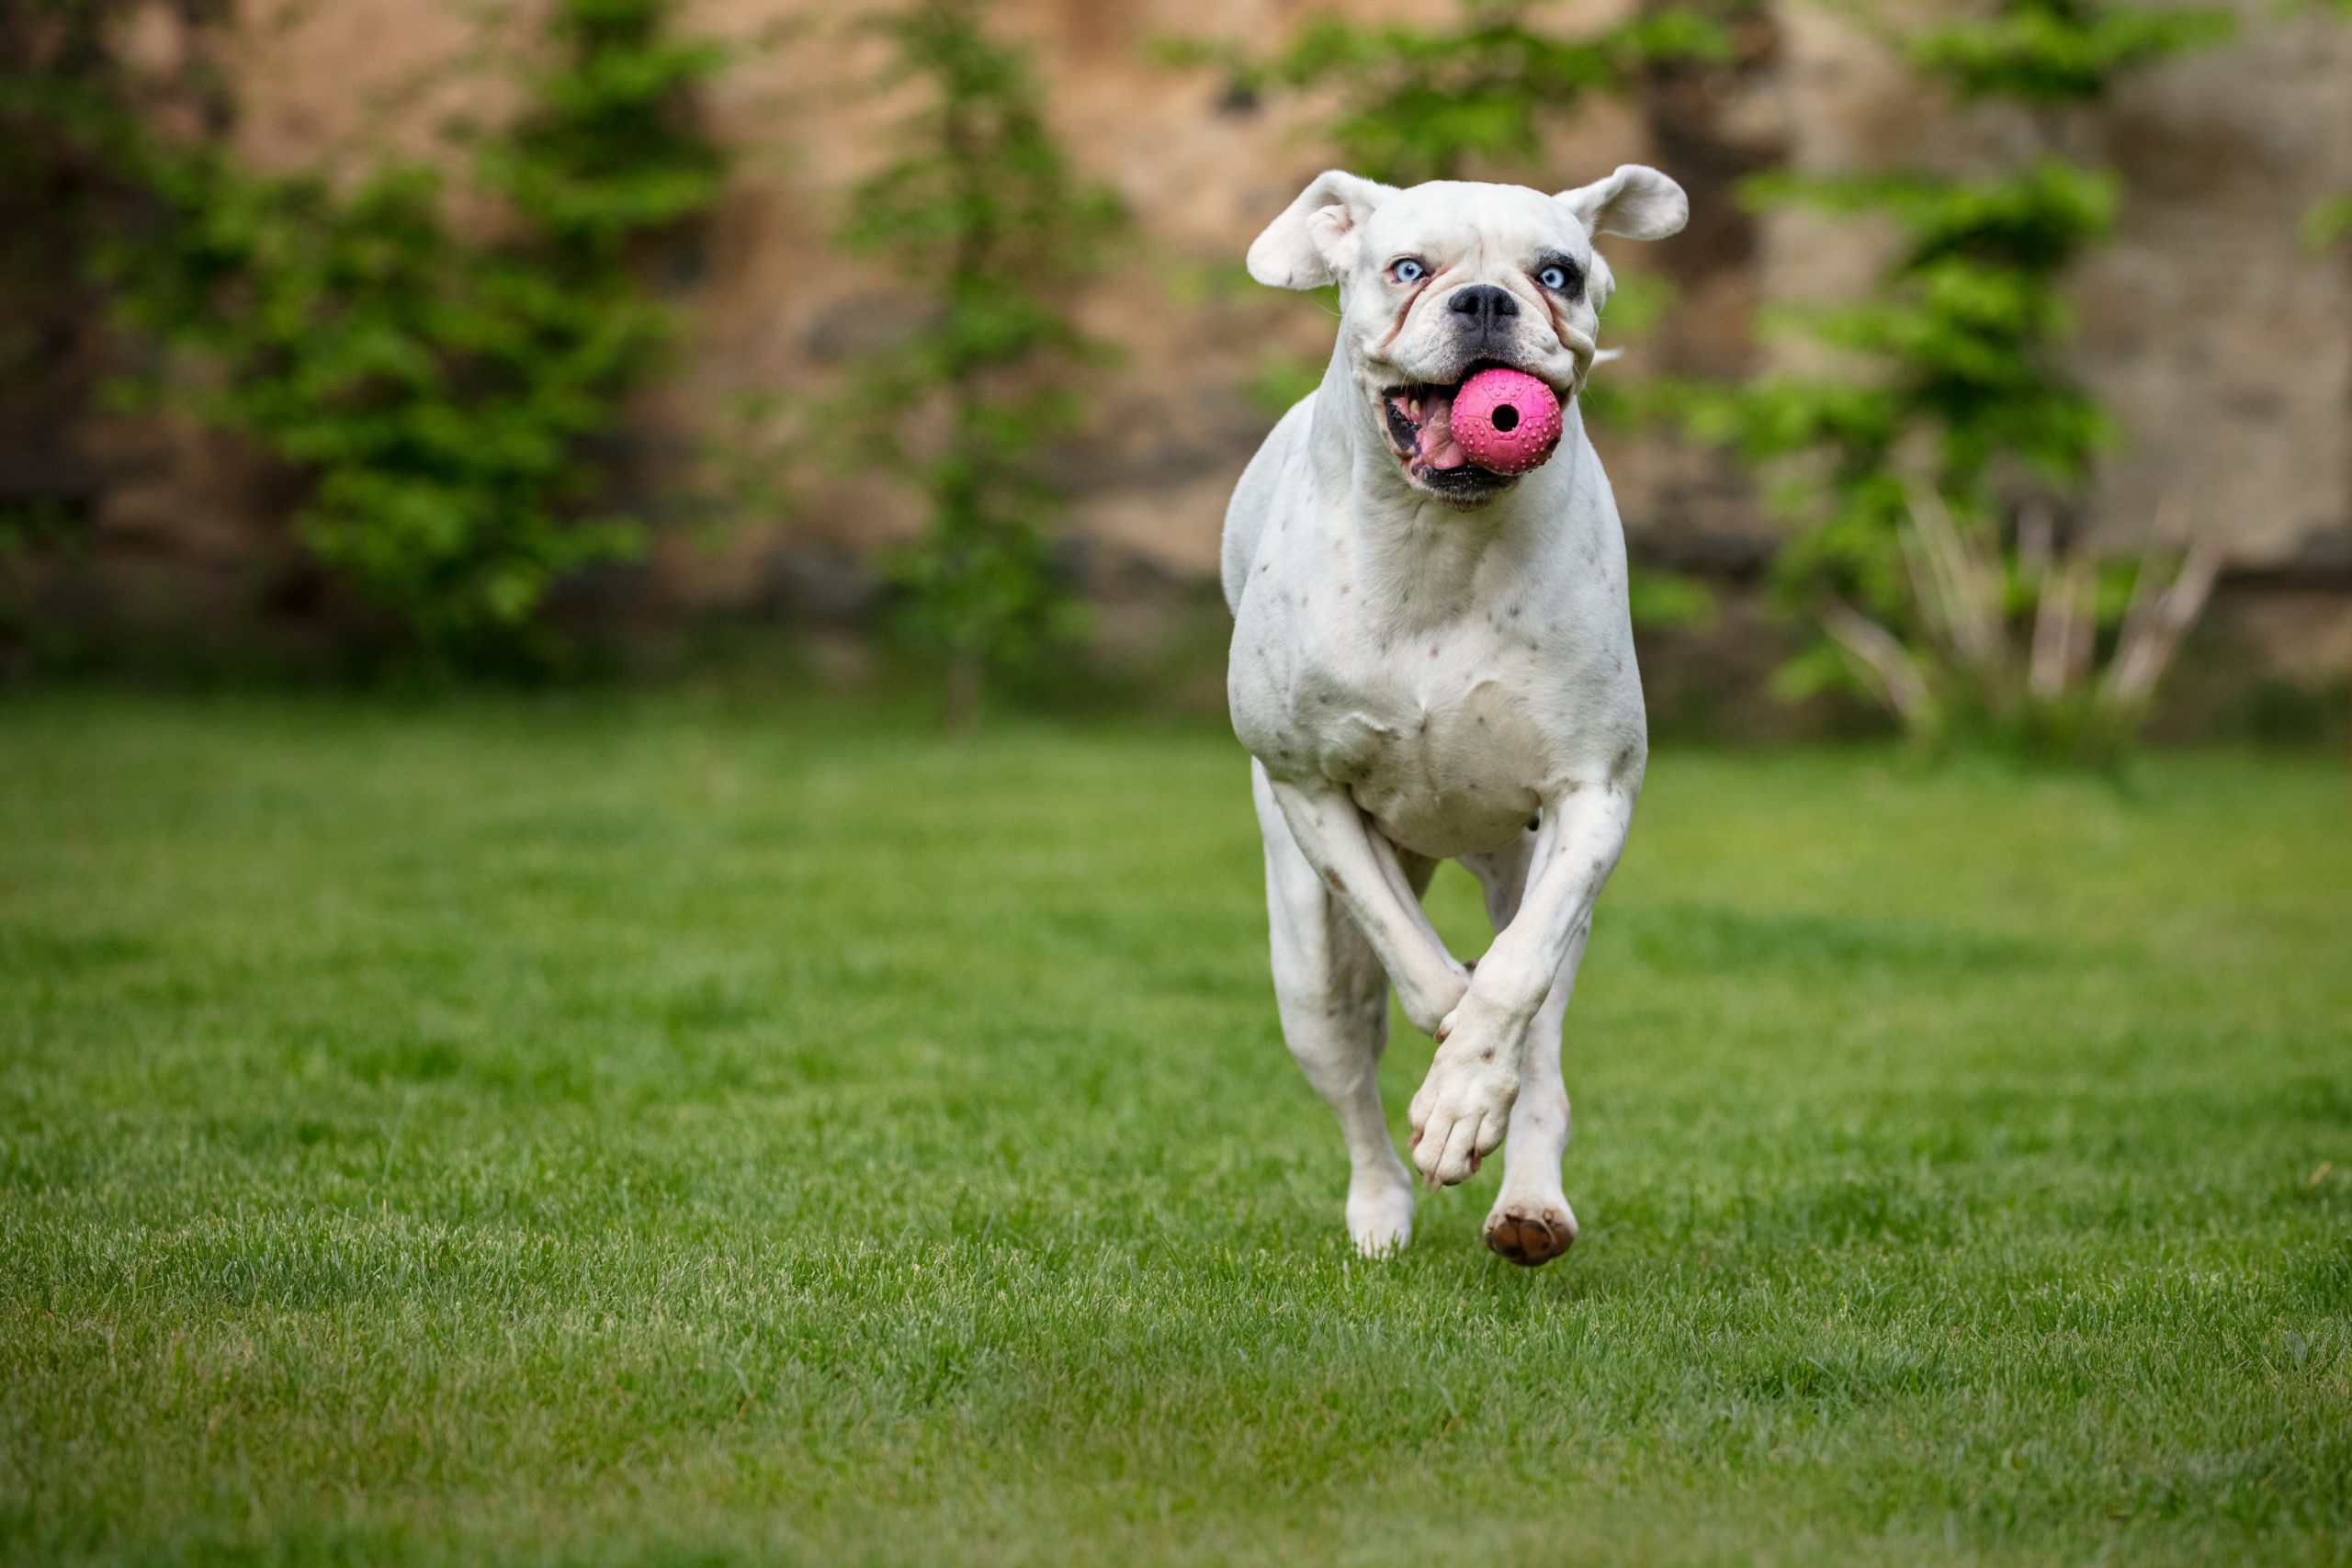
440 392
981 213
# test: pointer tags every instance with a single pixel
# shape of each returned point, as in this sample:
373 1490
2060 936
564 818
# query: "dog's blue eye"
1408 271
1552 278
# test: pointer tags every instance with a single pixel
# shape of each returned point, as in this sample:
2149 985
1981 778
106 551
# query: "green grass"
671 1130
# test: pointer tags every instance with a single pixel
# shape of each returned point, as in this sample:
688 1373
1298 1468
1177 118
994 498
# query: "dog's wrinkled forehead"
1450 223
1343 225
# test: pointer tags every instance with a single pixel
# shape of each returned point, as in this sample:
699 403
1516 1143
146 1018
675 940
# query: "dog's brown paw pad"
1531 1237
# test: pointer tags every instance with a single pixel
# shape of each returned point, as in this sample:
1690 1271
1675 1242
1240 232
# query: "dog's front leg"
1332 832
1463 1107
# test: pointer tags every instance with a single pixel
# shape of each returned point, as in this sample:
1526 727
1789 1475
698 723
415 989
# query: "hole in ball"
1506 419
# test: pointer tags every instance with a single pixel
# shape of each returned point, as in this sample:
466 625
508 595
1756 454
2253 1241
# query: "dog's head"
1443 279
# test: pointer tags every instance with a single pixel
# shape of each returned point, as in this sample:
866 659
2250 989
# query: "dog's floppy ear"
1314 241
1636 202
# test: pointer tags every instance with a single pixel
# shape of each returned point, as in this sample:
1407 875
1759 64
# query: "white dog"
1434 662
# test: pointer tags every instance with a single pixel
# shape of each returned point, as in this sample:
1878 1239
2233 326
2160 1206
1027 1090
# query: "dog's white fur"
1422 675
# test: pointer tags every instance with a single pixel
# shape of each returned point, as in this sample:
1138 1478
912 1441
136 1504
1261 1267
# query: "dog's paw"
1463 1110
1380 1214
1530 1234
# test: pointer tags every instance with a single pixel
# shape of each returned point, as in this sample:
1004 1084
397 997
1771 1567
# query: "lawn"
669 1130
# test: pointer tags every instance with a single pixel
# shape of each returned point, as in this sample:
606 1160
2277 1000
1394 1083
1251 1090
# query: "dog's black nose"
1487 306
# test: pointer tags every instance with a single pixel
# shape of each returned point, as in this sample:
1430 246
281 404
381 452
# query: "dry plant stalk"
1958 583
1886 665
2156 623
1960 578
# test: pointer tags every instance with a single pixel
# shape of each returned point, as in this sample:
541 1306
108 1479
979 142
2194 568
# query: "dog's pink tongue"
1438 449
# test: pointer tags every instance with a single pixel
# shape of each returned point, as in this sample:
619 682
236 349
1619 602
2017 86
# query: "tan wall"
2225 350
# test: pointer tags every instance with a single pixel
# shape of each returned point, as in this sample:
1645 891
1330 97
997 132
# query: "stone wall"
2226 350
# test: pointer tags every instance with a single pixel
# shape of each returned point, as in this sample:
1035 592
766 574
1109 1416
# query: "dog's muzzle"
1419 418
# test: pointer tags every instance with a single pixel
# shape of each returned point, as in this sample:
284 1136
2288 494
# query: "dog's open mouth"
1420 426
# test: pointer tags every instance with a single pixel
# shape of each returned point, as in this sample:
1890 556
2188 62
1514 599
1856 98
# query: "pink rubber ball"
1507 421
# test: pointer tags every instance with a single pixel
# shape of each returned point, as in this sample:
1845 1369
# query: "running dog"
1432 660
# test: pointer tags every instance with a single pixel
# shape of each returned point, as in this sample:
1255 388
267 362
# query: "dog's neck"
1422 559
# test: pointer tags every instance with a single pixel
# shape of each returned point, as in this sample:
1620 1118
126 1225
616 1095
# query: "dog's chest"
1446 738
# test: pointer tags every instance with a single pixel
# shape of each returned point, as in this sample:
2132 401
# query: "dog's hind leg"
1531 1221
1333 998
